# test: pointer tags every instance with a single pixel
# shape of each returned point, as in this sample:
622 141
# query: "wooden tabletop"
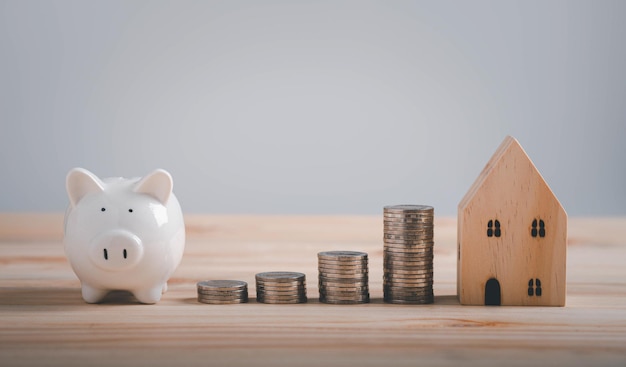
44 321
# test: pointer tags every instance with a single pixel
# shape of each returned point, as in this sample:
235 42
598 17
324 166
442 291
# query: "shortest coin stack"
343 277
219 292
280 287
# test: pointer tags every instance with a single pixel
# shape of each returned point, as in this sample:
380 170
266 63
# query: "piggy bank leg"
91 294
149 295
164 288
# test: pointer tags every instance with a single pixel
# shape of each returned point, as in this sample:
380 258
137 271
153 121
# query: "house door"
492 292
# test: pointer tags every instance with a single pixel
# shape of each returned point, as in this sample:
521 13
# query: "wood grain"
510 194
43 320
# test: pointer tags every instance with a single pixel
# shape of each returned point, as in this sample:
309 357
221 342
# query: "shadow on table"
35 296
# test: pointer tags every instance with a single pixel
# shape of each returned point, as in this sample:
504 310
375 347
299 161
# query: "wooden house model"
512 235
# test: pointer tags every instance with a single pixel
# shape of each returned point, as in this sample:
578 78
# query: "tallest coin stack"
408 254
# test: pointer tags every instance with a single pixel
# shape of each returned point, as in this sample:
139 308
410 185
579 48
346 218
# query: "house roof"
509 147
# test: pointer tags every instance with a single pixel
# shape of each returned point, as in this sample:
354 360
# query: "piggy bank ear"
80 182
157 184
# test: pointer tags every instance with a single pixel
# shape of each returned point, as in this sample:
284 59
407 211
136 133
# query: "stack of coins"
343 277
281 287
408 254
222 291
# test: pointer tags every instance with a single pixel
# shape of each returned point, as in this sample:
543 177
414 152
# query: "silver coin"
411 217
346 275
355 262
410 300
408 250
401 256
408 207
222 294
411 227
344 291
352 295
269 284
409 242
340 255
351 280
392 257
403 302
343 267
400 238
242 299
346 286
407 220
407 280
416 256
408 263
407 277
401 289
416 271
407 287
330 284
408 290
277 302
412 245
395 248
206 296
344 295
422 233
299 299
281 295
272 289
281 285
409 269
338 302
334 298
219 302
408 295
280 276
289 291
415 284
416 231
222 284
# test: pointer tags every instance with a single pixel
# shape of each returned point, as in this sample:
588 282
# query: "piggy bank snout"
116 250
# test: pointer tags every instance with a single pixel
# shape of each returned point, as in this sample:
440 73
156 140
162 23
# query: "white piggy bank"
123 234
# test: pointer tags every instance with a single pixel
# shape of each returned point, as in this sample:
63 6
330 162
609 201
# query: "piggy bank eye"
130 210
103 209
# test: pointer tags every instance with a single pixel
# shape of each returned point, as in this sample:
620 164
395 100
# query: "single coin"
330 284
281 300
218 302
360 267
211 296
341 255
280 276
336 298
344 275
355 264
221 284
408 207
223 294
403 302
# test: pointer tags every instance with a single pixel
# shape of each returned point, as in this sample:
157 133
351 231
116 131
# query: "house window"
538 228
534 287
493 228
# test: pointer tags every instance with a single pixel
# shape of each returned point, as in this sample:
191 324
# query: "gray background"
312 107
